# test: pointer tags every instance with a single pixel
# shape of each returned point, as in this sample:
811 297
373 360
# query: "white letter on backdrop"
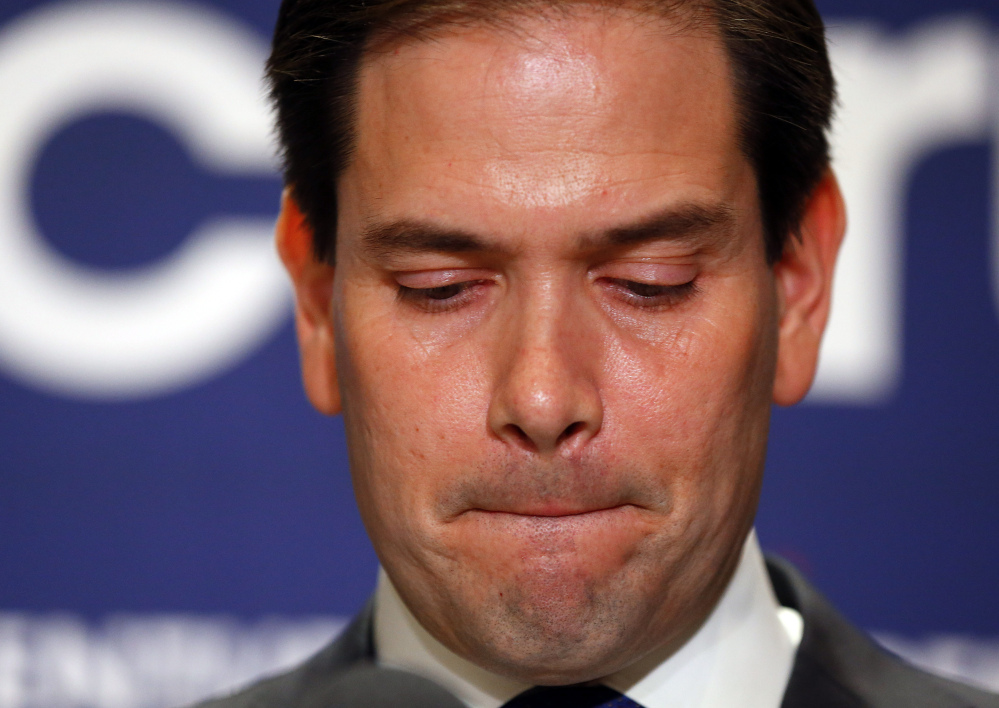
80 331
901 98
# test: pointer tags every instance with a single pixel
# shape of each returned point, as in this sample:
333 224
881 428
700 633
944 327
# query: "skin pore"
553 333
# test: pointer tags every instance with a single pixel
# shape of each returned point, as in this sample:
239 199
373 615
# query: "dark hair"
783 82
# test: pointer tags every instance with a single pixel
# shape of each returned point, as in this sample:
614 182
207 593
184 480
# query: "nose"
547 398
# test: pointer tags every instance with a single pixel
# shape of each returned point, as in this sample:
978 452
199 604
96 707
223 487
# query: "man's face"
555 336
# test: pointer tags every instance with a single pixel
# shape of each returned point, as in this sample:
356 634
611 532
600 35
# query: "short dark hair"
783 82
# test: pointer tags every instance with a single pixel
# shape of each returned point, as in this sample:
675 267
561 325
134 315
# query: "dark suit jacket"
836 665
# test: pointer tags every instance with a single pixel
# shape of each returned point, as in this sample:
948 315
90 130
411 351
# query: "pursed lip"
550 510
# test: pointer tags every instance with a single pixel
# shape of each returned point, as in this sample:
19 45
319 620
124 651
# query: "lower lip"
609 514
582 538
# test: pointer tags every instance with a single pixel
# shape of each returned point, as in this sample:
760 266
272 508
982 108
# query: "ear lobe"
313 284
804 276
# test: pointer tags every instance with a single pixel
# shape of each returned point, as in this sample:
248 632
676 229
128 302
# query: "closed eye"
652 295
441 298
443 292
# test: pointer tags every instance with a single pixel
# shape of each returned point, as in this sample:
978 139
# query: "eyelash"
429 299
445 298
651 296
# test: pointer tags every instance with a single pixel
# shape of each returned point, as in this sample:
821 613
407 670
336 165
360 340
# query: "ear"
804 277
313 284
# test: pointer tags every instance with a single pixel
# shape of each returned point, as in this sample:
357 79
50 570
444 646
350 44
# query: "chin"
543 601
574 651
552 624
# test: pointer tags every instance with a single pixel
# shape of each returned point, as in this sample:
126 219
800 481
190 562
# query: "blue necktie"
571 697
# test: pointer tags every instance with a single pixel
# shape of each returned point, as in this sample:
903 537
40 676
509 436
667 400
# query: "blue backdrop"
221 491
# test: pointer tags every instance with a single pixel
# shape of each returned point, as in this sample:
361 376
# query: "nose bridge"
547 394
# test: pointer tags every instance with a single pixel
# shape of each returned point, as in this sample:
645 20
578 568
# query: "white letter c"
79 331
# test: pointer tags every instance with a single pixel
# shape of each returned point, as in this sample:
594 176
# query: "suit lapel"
838 666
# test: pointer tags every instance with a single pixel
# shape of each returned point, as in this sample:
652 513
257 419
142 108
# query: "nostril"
570 431
518 434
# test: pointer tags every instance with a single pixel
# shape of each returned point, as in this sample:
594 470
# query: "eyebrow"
415 237
678 223
685 222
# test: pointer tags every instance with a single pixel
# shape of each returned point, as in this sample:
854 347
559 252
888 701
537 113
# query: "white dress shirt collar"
741 656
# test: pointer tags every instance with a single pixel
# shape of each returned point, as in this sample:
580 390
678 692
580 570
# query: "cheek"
695 399
412 411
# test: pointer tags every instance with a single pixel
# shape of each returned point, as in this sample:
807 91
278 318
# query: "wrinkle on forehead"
536 185
550 113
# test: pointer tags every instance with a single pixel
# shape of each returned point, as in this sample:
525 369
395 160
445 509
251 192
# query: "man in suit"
553 262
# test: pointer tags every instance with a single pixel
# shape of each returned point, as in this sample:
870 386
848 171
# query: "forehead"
596 108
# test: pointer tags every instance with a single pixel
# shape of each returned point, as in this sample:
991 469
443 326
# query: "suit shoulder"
267 693
294 687
838 666
978 697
